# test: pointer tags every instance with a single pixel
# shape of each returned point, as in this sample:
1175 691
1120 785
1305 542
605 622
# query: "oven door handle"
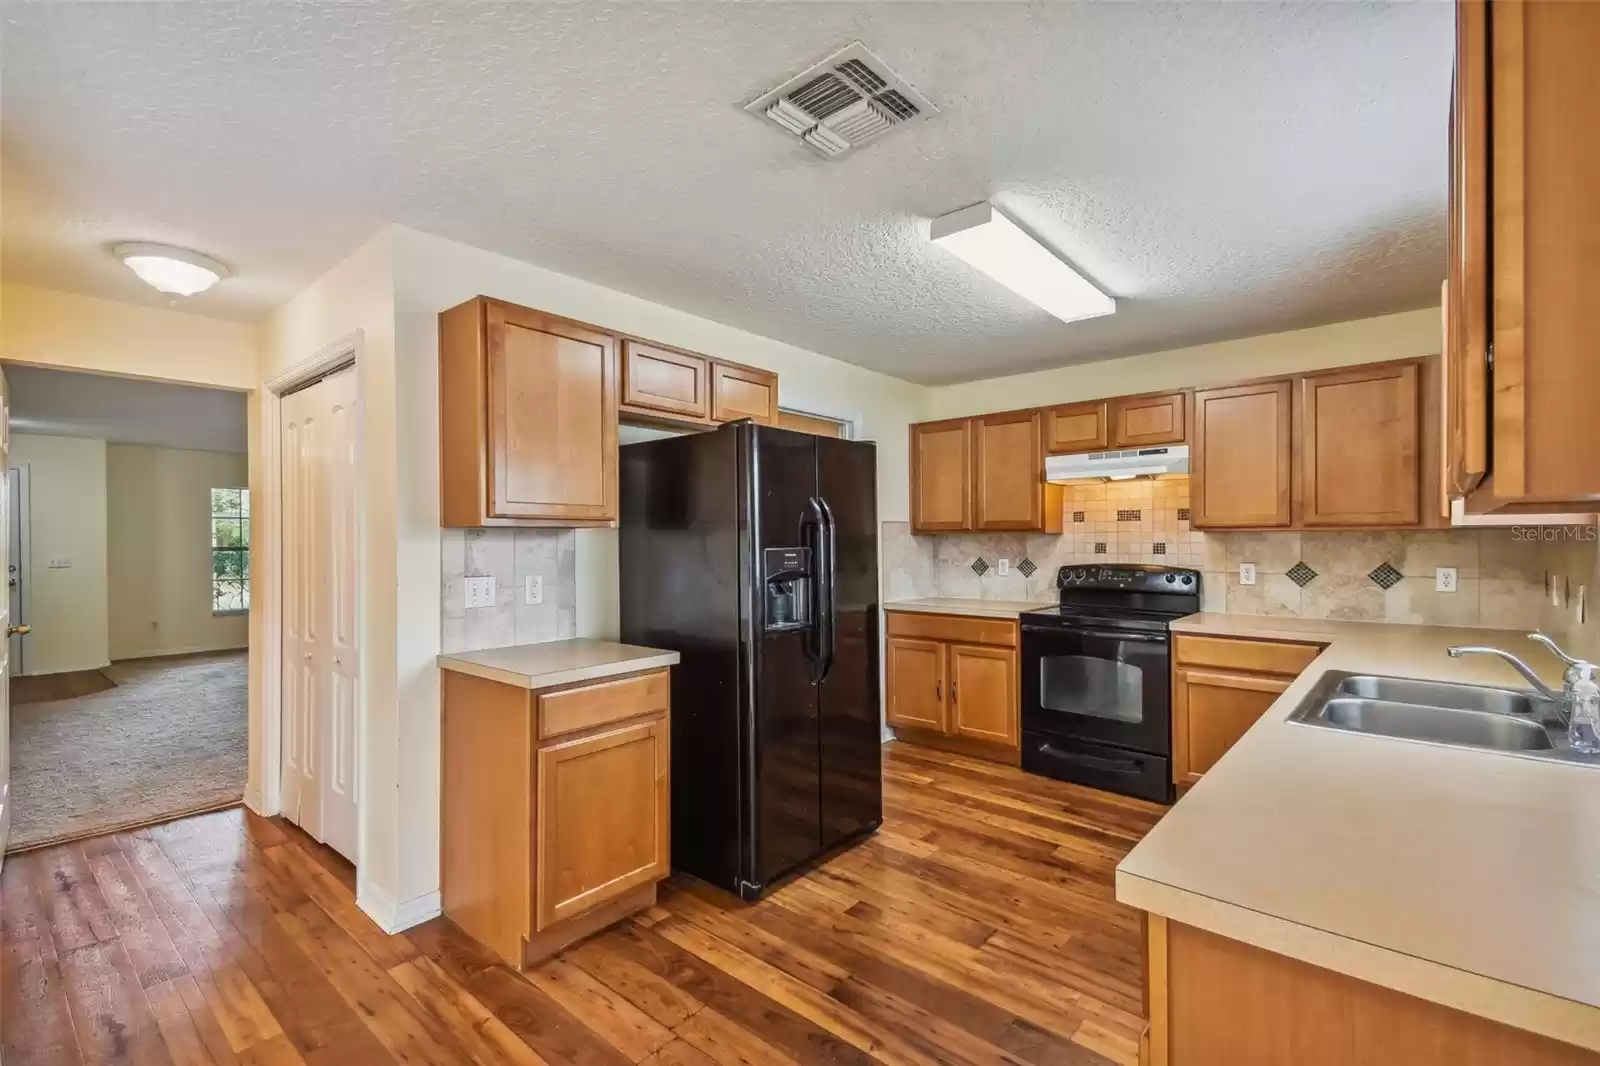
1111 634
1117 766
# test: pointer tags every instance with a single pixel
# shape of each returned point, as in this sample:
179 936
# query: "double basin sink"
1463 716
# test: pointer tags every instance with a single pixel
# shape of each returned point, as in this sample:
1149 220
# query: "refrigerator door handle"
813 530
828 588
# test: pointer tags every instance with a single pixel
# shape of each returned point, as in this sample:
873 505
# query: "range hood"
1125 463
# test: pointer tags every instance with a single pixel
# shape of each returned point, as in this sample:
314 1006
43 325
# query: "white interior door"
6 623
319 438
16 559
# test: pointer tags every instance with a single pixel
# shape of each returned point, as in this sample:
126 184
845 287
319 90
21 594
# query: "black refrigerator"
753 553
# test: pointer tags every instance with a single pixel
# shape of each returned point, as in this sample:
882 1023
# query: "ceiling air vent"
847 100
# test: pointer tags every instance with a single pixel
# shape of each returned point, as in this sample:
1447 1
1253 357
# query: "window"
230 551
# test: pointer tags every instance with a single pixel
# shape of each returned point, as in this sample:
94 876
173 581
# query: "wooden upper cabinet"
1242 463
1149 421
1360 440
983 693
602 818
915 682
527 418
665 380
1077 427
743 392
1465 377
941 476
1008 471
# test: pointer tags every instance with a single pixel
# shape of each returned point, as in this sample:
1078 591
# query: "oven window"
1100 688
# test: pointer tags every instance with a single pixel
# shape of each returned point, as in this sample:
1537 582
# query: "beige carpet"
170 738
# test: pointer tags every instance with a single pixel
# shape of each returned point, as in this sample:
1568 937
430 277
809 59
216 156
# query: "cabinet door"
1147 421
602 819
663 380
552 417
915 682
1360 442
1076 427
1240 468
1211 710
1543 81
1008 471
941 476
1465 416
743 392
983 694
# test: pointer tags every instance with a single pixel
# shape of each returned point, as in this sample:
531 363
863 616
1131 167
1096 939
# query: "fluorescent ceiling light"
175 270
1000 248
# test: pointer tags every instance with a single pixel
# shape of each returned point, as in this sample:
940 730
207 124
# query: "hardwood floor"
977 927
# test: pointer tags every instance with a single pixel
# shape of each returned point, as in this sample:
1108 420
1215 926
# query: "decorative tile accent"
1100 547
1128 516
1158 548
1183 514
1303 575
1026 567
1077 516
979 566
1385 576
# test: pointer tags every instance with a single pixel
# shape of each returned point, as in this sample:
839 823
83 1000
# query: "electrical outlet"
1003 569
1444 579
533 589
480 591
1247 573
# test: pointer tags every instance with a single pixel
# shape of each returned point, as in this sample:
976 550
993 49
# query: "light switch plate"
533 589
1004 568
1247 573
480 591
59 562
1444 579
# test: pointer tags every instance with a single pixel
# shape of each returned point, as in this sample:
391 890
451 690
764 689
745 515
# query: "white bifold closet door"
319 439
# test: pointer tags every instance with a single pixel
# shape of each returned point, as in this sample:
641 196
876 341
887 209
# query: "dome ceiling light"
173 270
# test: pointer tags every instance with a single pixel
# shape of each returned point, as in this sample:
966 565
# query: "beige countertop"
1468 878
975 608
556 662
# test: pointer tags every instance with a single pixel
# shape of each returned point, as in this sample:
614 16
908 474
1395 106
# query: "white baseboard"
393 918
193 649
252 800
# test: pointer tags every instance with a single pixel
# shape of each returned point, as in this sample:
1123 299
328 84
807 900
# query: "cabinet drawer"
958 629
573 709
1258 656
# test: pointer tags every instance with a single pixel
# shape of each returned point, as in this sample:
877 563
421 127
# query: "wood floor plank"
979 926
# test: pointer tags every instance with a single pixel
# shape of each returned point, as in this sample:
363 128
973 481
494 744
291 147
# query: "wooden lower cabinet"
1215 1001
1220 687
555 808
952 683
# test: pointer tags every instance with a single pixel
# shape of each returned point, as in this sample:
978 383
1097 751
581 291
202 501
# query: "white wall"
66 517
49 328
1367 340
356 295
158 551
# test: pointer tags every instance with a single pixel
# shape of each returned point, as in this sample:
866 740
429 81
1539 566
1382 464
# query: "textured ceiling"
1223 169
69 403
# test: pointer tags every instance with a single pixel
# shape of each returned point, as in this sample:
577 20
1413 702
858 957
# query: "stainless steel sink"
1463 716
1438 694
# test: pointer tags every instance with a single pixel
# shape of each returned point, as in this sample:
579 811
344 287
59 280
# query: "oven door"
1098 683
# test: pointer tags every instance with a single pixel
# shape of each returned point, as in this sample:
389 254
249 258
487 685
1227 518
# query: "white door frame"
266 583
19 564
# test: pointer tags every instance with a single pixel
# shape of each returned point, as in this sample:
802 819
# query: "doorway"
318 448
17 567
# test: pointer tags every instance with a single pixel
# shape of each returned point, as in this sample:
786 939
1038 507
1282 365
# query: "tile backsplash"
1364 576
509 556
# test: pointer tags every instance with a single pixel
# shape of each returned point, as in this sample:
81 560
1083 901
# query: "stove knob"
1188 579
1171 578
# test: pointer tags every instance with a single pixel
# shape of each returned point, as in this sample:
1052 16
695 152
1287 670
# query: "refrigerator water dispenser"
786 575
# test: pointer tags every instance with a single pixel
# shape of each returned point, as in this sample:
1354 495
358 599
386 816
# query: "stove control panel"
1131 578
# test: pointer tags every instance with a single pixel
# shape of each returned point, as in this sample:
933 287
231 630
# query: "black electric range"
1097 677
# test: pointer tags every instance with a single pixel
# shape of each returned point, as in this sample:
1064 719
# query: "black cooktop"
1138 595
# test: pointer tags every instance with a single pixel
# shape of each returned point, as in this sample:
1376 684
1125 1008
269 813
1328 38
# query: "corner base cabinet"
952 683
1220 686
555 808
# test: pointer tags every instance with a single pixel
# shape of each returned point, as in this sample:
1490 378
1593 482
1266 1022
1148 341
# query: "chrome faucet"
1578 685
